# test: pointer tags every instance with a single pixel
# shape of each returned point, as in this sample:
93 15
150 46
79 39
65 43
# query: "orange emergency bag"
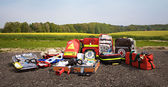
142 61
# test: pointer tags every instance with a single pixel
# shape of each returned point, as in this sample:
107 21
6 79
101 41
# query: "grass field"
44 36
143 35
47 40
141 43
32 43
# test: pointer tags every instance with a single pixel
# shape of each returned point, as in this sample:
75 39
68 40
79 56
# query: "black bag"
123 45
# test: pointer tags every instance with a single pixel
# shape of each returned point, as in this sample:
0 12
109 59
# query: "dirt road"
107 75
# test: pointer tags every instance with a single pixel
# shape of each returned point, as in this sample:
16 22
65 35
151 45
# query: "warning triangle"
71 46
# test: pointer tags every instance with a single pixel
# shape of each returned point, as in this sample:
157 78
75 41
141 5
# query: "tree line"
94 27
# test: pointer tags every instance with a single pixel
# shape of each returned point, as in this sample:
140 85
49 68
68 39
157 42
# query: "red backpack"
72 48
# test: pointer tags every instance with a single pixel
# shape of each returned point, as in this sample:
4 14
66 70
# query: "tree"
25 27
60 28
12 27
37 27
65 28
93 27
46 27
7 27
71 27
53 27
132 28
97 28
1 29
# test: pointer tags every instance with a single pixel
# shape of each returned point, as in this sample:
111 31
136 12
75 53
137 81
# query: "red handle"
59 72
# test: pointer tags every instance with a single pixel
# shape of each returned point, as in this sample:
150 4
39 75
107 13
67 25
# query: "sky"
115 12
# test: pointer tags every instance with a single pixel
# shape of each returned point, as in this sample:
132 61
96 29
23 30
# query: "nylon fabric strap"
130 56
136 58
150 62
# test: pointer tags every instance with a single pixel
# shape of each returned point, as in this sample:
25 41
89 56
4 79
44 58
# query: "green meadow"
49 40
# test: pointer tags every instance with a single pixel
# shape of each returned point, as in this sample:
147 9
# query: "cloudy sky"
115 12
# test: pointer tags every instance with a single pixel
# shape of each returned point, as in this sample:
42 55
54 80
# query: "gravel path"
107 75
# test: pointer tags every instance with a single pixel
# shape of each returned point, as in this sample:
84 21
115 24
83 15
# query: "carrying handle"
136 58
130 56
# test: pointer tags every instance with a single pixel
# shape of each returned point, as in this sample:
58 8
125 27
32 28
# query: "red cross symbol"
121 53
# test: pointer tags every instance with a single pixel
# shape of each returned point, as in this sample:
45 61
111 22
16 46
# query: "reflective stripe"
70 53
123 58
111 59
91 45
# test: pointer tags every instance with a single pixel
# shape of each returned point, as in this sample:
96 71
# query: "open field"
47 40
33 44
143 35
44 36
138 35
107 75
